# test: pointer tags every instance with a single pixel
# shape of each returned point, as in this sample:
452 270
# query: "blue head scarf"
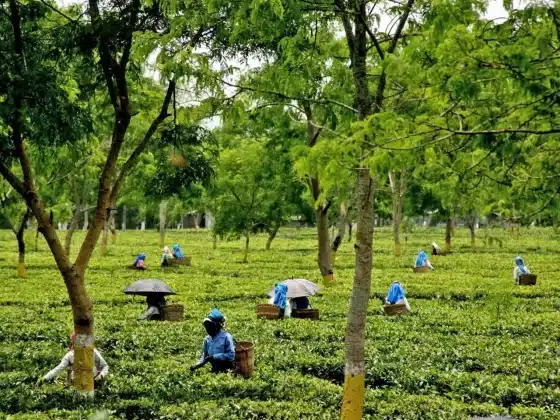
420 258
521 265
139 257
177 251
395 293
280 295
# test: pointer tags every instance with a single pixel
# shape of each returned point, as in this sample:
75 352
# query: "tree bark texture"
271 235
324 254
354 369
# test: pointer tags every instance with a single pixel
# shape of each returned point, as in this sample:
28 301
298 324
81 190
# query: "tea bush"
475 344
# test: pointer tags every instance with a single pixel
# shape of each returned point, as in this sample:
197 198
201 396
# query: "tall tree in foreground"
39 71
355 18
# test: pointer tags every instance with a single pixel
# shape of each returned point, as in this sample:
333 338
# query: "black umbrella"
146 287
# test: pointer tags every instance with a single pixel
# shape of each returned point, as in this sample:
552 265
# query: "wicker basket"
393 310
173 312
244 358
527 279
268 311
180 261
424 269
312 314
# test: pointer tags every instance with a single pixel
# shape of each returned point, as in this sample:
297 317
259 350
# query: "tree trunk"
214 241
105 238
341 231
246 253
271 235
71 230
86 218
324 252
113 223
321 209
350 231
123 222
162 222
448 229
357 40
354 369
75 217
472 228
21 244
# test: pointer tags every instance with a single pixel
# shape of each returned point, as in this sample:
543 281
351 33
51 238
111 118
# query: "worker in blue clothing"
217 348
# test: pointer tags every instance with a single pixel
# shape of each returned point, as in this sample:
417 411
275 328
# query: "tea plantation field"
475 345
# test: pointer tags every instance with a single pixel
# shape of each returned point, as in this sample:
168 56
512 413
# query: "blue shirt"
220 347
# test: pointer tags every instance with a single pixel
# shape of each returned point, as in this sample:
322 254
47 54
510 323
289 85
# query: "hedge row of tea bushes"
474 345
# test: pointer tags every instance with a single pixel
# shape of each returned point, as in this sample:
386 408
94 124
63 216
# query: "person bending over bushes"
140 262
422 260
166 257
396 295
519 269
100 366
155 302
217 348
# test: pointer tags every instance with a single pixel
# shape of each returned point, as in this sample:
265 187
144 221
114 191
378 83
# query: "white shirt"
100 366
152 310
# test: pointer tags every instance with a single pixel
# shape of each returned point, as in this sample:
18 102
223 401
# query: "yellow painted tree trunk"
354 369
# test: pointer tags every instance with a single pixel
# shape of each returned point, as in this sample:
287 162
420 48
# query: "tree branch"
292 98
107 61
133 158
502 131
54 9
350 39
128 43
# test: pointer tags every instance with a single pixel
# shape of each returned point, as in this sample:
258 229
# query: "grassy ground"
475 344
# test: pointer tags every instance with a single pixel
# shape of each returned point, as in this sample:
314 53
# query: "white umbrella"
299 288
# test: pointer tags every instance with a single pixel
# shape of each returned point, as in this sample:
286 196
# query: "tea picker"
100 366
521 274
395 301
166 257
435 249
174 257
155 291
140 262
422 263
291 298
217 348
